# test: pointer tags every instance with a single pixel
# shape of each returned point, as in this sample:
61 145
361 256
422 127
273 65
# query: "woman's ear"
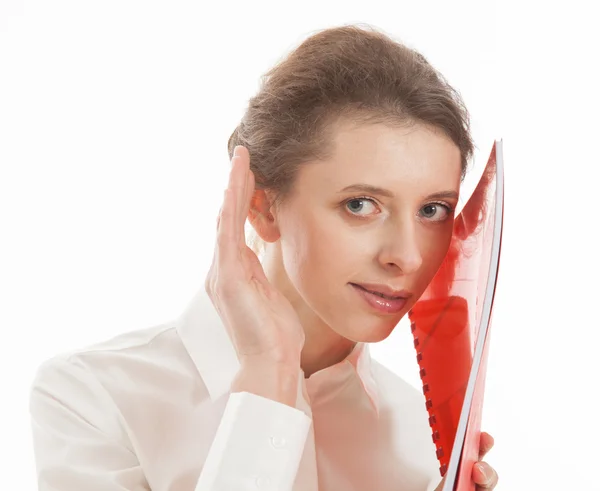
261 216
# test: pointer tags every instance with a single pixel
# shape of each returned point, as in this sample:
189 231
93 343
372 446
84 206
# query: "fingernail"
236 150
485 471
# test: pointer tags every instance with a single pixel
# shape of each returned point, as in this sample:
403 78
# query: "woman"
347 164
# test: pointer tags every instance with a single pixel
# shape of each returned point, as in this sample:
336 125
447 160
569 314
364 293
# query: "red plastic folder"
451 327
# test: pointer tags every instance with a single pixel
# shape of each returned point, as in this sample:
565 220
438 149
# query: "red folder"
451 324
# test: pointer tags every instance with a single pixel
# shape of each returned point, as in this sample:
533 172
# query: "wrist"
277 381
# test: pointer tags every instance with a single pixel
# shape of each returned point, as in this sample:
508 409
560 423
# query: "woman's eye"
361 206
435 211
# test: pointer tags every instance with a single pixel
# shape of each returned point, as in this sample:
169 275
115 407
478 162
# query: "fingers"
243 180
228 239
231 237
250 183
484 476
238 180
486 442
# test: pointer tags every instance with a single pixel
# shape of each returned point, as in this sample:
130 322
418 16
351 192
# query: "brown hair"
348 71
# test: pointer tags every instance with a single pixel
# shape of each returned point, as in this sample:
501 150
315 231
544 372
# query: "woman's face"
377 215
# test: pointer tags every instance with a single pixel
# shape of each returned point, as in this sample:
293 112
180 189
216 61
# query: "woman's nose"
401 249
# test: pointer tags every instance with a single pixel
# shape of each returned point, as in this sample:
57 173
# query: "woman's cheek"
433 257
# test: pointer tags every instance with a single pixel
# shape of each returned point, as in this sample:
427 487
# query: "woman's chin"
369 332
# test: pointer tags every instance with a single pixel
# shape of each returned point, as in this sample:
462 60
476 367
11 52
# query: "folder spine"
435 430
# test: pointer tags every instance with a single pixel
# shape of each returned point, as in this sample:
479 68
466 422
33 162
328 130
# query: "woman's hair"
344 72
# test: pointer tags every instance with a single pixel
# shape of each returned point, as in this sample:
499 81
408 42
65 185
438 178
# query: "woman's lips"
379 301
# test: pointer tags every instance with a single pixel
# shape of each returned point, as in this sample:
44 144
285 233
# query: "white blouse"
151 410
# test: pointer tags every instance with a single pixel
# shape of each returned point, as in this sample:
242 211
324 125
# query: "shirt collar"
208 344
360 359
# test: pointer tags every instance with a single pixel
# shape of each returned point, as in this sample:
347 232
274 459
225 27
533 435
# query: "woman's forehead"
384 156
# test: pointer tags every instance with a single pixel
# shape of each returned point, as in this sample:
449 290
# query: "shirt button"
278 441
263 482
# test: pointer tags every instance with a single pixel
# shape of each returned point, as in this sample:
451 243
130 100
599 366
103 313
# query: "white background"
114 119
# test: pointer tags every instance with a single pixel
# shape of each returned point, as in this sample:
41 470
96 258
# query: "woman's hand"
484 476
261 323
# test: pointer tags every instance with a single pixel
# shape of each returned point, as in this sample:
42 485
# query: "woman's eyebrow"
370 189
444 195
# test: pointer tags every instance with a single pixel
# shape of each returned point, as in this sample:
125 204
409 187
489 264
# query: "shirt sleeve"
258 446
79 440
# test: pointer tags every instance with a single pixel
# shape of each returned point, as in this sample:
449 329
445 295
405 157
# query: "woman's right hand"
261 322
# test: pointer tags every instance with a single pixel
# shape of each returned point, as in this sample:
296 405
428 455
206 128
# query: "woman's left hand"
484 476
